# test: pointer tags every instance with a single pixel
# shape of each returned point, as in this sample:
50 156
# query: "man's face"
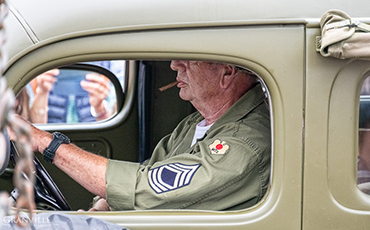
198 80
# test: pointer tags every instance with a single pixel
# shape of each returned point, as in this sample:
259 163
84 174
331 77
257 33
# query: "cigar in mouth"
163 88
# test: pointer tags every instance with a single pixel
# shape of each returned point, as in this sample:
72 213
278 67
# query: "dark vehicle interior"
153 115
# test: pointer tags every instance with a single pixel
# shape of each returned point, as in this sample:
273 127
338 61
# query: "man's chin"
183 95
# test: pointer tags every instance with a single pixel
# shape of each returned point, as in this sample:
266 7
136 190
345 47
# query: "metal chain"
24 170
3 13
3 196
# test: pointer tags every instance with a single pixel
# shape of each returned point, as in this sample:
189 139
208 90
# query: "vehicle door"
331 197
274 52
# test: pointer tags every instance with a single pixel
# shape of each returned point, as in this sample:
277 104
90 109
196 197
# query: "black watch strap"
58 139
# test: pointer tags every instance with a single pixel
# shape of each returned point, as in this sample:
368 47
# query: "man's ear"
228 75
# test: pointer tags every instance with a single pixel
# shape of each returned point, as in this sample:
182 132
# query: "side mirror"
77 93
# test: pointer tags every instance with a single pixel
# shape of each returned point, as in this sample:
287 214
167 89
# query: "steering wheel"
47 194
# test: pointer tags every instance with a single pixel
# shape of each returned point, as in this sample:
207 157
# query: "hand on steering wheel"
47 194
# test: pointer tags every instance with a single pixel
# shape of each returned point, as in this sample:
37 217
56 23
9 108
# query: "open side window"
363 167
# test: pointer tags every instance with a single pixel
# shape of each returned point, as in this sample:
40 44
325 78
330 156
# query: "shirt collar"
249 101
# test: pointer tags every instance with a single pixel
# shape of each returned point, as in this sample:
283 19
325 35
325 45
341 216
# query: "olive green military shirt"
227 169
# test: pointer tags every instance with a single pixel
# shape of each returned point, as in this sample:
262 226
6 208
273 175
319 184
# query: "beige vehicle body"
314 100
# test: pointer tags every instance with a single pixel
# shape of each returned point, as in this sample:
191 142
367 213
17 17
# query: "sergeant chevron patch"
171 176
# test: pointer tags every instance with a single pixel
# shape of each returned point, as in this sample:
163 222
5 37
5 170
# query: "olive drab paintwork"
314 100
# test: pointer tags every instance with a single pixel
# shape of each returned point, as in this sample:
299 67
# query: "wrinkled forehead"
215 65
201 64
209 65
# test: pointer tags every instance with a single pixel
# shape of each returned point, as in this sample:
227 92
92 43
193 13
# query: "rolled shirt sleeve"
121 183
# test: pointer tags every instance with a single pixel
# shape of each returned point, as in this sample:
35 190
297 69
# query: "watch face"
61 137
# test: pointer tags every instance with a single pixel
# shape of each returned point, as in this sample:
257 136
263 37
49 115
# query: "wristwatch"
58 139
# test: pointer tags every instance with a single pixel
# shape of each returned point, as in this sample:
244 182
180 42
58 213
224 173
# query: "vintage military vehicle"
317 101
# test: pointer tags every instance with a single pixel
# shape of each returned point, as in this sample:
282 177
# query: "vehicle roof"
50 18
43 20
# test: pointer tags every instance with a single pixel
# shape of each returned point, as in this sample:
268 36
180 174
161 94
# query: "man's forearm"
85 168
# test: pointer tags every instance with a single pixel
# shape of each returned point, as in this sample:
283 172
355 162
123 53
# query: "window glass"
363 173
172 97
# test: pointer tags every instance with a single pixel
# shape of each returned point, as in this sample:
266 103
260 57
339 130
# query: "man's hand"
45 81
100 205
98 87
42 85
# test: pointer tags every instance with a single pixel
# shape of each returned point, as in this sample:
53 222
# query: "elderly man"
216 159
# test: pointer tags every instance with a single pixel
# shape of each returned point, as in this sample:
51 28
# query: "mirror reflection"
72 94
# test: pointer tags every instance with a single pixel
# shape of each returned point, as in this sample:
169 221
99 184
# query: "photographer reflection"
51 98
69 102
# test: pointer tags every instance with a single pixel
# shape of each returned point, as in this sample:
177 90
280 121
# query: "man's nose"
178 65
